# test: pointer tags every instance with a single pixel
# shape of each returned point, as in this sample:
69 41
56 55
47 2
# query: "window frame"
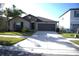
76 13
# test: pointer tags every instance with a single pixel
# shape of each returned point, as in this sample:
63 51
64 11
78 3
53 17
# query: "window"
18 23
76 13
75 24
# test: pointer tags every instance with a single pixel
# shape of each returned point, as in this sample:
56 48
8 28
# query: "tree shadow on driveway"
54 39
16 51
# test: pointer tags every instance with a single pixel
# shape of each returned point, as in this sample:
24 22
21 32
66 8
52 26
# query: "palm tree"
14 12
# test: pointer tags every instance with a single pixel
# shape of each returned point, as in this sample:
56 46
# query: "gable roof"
14 18
45 19
37 19
68 11
30 18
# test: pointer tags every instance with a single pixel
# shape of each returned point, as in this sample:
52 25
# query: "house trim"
69 10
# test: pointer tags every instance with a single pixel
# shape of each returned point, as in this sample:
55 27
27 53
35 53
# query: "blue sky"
47 10
57 9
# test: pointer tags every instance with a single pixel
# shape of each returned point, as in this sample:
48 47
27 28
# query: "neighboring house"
33 23
70 20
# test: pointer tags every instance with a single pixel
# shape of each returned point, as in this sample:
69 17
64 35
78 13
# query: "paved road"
17 53
49 43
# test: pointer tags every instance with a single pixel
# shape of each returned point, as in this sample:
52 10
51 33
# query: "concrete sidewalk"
72 38
15 36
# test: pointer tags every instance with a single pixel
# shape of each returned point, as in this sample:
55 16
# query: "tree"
2 23
12 12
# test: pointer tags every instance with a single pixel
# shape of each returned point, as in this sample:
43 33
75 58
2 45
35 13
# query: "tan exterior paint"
26 24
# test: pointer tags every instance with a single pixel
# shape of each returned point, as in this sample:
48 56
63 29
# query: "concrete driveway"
48 42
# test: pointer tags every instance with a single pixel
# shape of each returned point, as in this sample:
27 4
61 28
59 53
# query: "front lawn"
17 33
75 41
68 35
7 41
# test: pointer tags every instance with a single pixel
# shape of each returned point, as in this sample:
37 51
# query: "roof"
37 19
69 10
29 19
34 18
45 19
14 18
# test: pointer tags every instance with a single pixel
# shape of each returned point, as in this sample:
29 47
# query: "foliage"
23 30
26 30
1 20
62 30
57 30
77 30
76 35
14 12
2 24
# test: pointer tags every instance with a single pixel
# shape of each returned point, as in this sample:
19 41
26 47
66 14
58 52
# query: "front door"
32 26
18 26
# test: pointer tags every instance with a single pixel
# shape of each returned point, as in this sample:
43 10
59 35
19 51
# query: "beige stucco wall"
26 24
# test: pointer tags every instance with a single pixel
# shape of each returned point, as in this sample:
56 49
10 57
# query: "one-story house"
33 23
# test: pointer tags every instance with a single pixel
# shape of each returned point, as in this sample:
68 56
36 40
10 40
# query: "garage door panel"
46 27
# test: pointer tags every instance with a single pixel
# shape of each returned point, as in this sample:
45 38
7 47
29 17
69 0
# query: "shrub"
25 30
57 29
62 30
77 36
28 30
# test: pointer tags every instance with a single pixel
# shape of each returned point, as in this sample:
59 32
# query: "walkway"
15 36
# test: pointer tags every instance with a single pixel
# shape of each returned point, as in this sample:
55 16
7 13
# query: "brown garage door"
46 27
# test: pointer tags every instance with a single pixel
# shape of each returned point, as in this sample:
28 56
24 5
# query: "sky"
47 10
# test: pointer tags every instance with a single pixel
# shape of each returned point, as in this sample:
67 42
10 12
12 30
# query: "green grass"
68 35
7 41
75 41
17 33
